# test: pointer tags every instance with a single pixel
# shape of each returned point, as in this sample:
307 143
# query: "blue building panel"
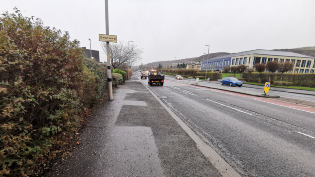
216 65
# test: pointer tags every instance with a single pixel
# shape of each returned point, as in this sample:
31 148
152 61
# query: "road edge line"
214 158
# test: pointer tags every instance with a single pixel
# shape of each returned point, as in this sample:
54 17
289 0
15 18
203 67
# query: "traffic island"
257 95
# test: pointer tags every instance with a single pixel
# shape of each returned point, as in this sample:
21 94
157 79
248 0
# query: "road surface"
256 136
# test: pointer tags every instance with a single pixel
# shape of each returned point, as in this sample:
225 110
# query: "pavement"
135 135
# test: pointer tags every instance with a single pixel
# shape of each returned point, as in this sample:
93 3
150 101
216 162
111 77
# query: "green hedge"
123 73
117 79
302 80
46 87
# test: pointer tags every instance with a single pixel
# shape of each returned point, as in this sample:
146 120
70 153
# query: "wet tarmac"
133 135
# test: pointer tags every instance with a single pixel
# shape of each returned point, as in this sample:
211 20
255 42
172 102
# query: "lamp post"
90 49
129 59
109 72
207 60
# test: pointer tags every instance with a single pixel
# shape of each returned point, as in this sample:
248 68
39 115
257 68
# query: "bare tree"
227 69
260 68
122 54
241 68
272 66
234 70
285 67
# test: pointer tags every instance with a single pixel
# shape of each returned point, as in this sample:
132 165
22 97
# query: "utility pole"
207 60
109 72
90 49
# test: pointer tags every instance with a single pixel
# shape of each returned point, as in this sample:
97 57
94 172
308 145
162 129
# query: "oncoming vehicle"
231 81
179 77
144 74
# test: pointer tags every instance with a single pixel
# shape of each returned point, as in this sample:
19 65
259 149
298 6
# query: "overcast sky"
166 29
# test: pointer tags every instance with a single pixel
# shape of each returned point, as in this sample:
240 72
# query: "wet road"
256 136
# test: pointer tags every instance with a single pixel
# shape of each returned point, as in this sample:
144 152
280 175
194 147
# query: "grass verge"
290 87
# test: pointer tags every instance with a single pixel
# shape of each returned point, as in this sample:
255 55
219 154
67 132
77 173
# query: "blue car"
231 81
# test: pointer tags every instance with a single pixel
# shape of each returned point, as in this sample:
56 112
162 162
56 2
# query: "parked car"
231 81
179 77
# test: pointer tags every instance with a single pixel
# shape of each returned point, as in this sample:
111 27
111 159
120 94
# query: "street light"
90 49
207 60
129 60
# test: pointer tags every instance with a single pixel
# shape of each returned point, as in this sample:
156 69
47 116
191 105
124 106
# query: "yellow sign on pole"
267 86
108 38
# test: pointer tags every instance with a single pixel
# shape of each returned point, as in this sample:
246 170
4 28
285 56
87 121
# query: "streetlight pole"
90 49
129 59
109 72
207 59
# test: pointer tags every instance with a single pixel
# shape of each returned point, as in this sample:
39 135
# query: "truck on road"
155 77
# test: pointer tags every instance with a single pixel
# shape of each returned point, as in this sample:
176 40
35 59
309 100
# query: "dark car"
231 81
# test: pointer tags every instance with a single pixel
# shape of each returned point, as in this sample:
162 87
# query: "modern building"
95 54
302 63
196 66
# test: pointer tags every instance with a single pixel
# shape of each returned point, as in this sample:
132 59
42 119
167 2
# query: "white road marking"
306 135
230 107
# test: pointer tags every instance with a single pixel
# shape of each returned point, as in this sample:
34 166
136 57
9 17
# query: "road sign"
267 86
108 38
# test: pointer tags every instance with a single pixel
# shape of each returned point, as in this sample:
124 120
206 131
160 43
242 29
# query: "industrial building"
302 63
95 54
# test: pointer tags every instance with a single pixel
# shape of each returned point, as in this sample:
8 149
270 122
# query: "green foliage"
123 73
45 85
117 79
95 80
302 80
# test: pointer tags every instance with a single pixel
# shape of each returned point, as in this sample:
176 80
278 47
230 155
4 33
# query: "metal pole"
90 49
207 60
109 72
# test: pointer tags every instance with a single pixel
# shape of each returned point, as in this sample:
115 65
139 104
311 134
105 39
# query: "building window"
244 60
233 61
276 59
298 63
293 61
225 63
287 60
303 63
296 70
241 61
269 59
228 63
306 71
308 64
236 61
281 60
256 60
249 60
264 60
312 71
301 70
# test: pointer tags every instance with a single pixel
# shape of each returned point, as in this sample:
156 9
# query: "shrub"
100 81
43 79
282 83
117 79
123 73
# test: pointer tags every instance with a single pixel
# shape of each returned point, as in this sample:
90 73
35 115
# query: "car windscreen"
233 79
